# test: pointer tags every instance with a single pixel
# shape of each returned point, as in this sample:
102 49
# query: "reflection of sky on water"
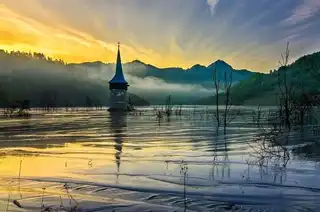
136 152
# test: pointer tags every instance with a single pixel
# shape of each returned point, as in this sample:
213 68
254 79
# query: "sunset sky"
247 34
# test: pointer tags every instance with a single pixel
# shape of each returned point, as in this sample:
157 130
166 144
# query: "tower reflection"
118 124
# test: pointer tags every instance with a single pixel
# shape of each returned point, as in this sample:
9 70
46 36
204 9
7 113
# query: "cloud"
151 88
212 4
306 9
154 85
245 33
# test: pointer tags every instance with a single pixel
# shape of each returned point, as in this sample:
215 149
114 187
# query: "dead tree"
285 88
49 100
227 116
167 110
227 92
168 107
88 102
217 89
302 106
18 109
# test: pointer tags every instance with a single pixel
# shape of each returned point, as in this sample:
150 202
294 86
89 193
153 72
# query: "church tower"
118 88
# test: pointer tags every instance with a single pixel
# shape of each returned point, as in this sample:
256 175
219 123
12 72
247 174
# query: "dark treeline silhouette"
32 55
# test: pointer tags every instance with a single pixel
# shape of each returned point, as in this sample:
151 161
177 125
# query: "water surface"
104 162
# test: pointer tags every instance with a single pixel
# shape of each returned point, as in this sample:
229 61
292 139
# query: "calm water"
103 162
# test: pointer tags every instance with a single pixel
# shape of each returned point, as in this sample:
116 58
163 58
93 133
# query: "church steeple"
118 77
118 88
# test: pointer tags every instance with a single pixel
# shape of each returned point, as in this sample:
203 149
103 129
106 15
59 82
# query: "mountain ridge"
139 62
195 75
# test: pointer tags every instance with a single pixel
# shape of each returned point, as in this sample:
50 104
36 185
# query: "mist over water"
132 163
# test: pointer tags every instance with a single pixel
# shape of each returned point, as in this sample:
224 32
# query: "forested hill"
47 82
303 74
43 81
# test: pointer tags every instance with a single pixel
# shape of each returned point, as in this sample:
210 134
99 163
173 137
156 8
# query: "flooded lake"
95 161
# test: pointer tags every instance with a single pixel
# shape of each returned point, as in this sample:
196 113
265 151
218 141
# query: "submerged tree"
217 90
49 99
18 109
168 107
295 107
227 115
227 92
88 102
285 88
295 101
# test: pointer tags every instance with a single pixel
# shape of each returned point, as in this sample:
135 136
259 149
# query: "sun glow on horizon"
49 28
18 33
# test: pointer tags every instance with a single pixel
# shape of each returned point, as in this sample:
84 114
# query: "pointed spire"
119 77
119 64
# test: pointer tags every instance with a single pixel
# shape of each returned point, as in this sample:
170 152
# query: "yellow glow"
52 162
35 165
59 41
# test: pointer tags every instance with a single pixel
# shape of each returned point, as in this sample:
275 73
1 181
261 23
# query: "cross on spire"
118 45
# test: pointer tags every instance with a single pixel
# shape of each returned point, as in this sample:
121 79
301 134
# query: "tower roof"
118 78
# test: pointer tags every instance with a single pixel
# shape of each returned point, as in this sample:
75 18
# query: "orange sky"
24 34
78 31
21 33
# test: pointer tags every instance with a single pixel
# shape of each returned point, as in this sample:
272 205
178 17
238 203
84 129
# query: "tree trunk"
217 110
